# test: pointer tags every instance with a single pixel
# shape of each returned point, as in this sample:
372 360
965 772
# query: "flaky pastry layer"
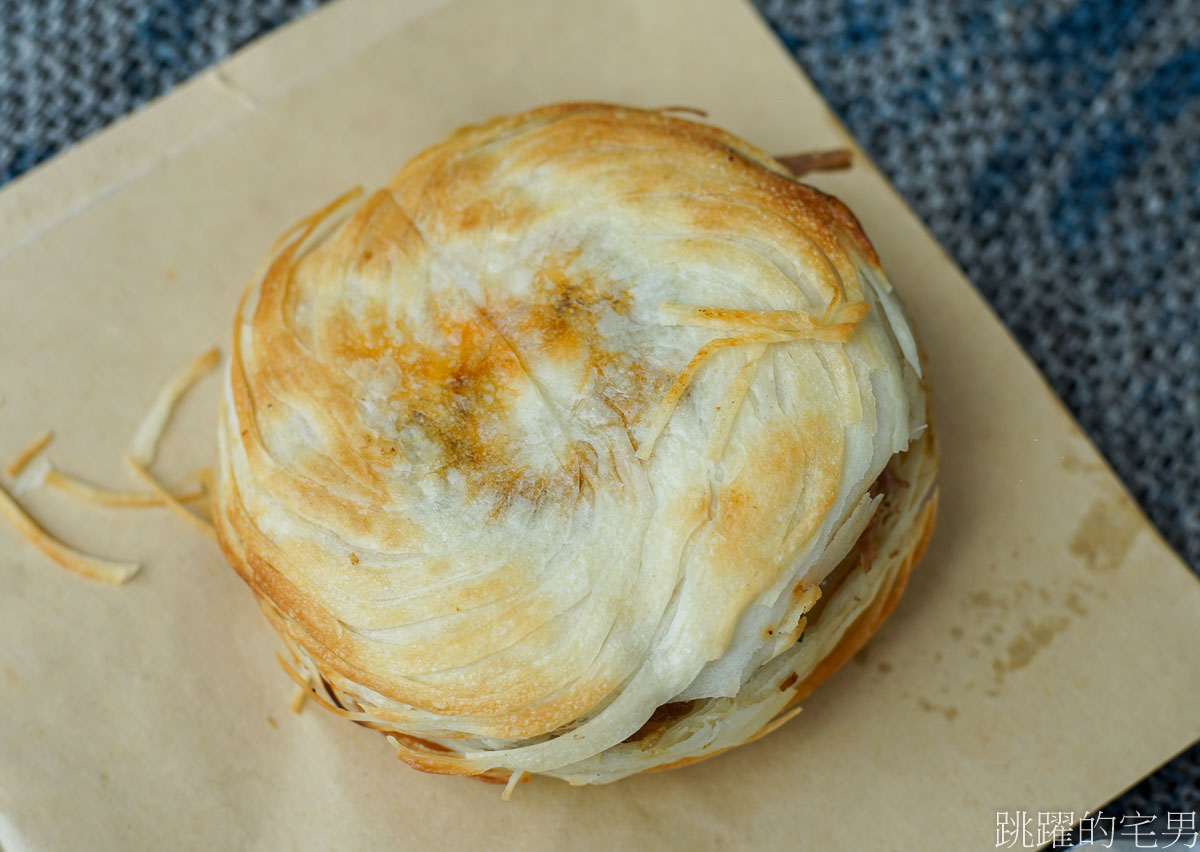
540 456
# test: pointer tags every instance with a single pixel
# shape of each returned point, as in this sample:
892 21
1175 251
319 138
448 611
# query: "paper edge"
131 149
135 145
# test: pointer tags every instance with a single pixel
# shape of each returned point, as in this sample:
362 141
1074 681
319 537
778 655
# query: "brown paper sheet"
1044 657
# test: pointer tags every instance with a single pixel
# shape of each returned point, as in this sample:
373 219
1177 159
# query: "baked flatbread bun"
582 448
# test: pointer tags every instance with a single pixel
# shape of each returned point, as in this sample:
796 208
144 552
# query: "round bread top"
534 437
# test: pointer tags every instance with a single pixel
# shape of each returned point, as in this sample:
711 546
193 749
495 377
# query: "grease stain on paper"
1105 535
1075 605
1036 636
1014 624
951 713
1074 464
11 674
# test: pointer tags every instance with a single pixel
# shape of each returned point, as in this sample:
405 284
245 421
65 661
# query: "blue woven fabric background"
1052 147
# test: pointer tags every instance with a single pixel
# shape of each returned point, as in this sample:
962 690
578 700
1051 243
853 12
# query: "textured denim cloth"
1053 148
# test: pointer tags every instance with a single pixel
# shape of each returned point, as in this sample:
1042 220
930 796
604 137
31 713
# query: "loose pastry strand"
22 459
150 432
169 500
755 327
91 567
817 161
145 446
73 485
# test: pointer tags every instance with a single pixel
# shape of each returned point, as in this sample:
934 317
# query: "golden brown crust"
852 641
870 621
577 393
